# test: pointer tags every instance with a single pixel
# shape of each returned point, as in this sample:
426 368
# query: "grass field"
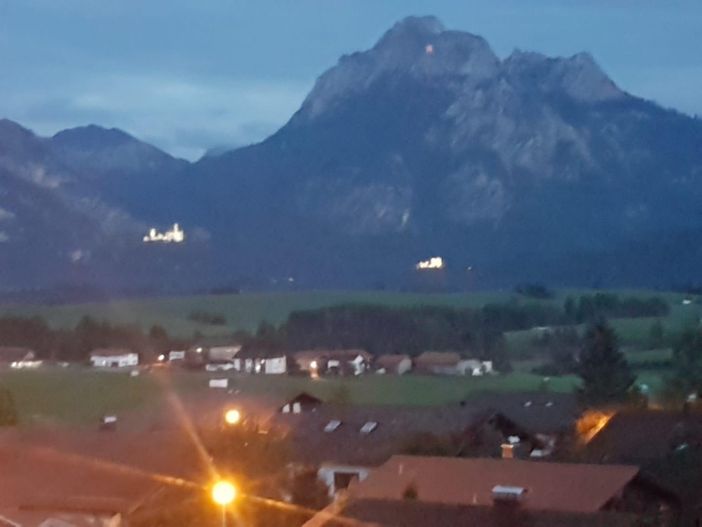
81 396
77 395
243 311
246 311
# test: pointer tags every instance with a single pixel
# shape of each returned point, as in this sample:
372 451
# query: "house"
666 444
177 355
14 355
349 439
393 364
413 513
223 352
532 485
302 402
336 362
113 358
353 435
450 363
475 367
642 436
533 422
258 361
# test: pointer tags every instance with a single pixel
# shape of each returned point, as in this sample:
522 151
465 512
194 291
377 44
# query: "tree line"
588 308
75 344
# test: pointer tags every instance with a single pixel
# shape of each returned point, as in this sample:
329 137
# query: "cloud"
183 116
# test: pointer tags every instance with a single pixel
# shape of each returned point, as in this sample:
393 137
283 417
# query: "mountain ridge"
522 168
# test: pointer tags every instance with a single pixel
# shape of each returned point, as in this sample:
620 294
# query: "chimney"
507 450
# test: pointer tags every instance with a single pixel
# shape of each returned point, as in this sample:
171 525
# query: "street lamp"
232 417
224 493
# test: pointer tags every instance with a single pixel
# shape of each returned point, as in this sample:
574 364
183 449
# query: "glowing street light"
224 493
232 417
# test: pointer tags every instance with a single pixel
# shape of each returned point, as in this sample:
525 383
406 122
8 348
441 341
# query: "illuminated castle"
175 235
436 262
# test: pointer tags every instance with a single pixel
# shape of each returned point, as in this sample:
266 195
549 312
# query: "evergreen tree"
603 368
687 364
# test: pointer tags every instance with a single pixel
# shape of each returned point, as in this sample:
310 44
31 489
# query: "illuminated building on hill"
435 262
175 235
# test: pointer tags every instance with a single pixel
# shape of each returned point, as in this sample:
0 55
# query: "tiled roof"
644 435
412 513
566 487
534 413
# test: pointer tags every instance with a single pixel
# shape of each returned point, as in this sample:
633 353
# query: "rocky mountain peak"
579 76
419 47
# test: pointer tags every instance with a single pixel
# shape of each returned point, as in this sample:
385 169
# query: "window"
369 427
332 425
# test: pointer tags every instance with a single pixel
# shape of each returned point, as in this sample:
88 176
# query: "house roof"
14 353
413 513
110 352
643 435
438 358
249 353
563 487
86 469
346 444
535 412
398 424
303 397
390 361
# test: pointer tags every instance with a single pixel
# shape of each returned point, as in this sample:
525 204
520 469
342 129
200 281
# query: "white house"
252 361
474 367
226 352
113 358
275 365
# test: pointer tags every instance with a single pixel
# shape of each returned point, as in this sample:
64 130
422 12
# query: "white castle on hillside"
175 235
436 262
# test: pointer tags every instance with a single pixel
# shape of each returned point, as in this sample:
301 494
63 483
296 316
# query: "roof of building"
438 358
535 412
347 444
111 352
305 398
643 435
413 513
396 425
53 469
15 353
567 487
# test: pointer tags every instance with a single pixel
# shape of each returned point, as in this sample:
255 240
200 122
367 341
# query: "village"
511 458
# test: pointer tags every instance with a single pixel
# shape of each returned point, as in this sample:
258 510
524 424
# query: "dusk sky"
191 75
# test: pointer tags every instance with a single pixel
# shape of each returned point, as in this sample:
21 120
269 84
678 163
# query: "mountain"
429 144
74 207
524 168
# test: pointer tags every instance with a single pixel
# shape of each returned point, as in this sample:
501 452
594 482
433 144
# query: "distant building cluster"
435 262
175 235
